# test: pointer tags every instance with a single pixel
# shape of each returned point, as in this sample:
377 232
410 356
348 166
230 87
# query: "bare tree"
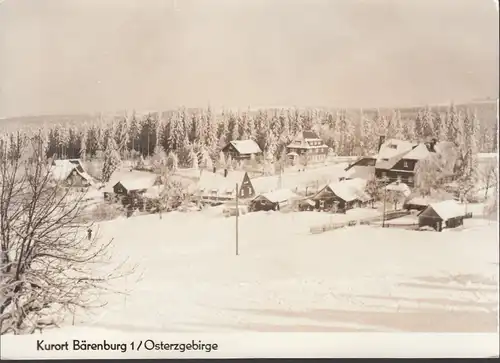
49 264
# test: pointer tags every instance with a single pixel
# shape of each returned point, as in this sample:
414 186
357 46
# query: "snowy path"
356 279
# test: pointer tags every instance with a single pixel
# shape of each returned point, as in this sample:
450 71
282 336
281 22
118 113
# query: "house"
342 195
241 149
397 159
134 186
273 200
218 187
307 145
71 173
445 214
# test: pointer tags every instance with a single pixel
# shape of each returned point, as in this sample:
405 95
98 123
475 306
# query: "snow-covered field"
284 279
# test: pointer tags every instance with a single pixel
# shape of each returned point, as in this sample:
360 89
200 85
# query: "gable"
405 164
229 148
429 212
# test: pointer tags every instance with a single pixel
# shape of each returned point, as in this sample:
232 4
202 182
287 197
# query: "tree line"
203 132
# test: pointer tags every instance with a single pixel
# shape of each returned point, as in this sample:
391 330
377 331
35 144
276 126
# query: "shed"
446 214
241 149
274 200
342 195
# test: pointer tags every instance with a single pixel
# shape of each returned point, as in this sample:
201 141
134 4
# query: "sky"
73 56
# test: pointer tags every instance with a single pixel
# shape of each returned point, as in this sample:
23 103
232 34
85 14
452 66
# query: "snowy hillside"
285 279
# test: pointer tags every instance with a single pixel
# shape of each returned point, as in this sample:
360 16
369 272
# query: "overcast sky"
70 56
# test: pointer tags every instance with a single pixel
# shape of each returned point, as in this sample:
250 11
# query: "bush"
107 212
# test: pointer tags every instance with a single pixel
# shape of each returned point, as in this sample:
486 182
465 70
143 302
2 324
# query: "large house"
221 187
307 145
70 172
397 159
241 149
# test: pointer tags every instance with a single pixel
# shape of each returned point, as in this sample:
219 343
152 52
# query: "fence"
365 221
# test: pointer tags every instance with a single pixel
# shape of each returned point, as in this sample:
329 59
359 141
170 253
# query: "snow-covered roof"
400 188
293 180
138 183
246 146
349 190
418 153
446 209
279 195
359 171
217 182
61 169
393 147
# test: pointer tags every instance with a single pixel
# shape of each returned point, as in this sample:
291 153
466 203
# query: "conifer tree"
111 160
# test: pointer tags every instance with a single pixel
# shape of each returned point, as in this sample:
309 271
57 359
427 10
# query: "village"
408 185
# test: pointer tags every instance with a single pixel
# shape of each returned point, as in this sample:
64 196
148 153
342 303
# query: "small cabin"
71 173
241 149
440 215
343 195
272 201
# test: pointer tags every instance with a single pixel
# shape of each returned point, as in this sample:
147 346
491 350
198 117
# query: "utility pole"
385 199
237 214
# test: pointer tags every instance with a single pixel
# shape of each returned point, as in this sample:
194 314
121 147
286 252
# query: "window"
322 204
384 174
405 164
410 179
399 179
392 146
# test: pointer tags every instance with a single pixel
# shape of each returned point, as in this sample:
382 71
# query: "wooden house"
397 159
272 200
342 195
445 214
217 188
241 149
307 145
71 173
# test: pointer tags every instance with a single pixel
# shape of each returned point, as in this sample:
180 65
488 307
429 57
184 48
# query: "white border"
266 345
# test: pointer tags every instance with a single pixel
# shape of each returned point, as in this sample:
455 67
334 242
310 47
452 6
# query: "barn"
274 200
221 187
70 172
343 195
241 149
445 214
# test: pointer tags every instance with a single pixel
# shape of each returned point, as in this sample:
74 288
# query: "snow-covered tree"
427 124
111 160
172 161
193 159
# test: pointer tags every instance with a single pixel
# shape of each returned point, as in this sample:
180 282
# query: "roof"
359 171
309 134
292 180
137 183
420 152
61 169
246 146
218 182
349 190
446 209
279 195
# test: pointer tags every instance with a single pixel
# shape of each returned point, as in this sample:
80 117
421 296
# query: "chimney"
215 169
432 145
380 142
225 173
